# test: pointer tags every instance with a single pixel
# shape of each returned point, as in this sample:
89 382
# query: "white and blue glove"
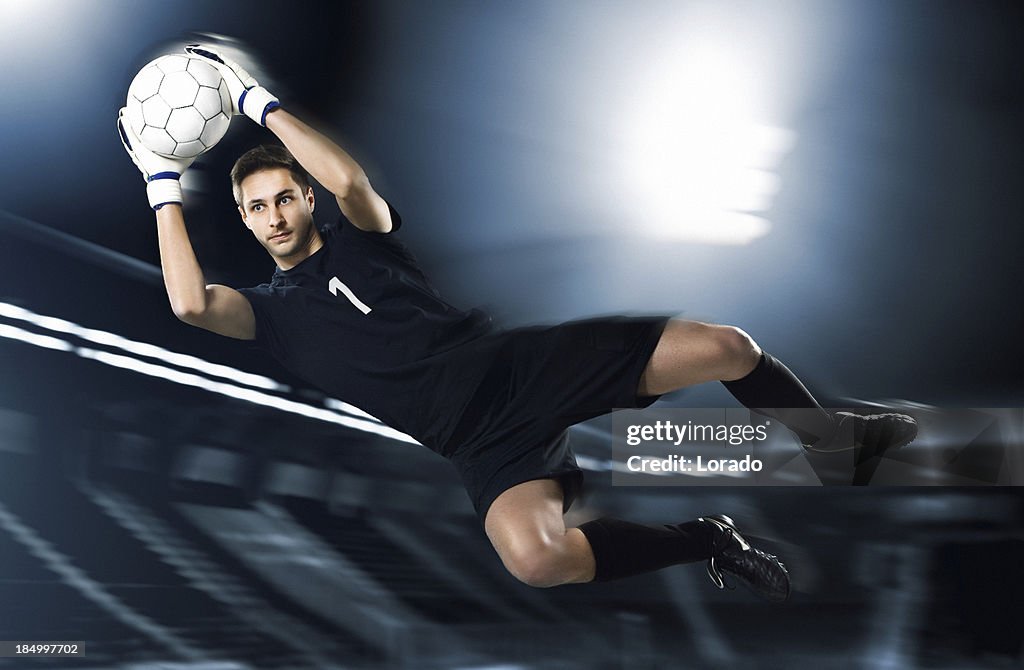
247 97
161 173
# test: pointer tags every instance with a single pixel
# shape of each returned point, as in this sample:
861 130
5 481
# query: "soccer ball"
179 106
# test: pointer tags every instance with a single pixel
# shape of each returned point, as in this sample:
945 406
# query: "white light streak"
334 403
248 395
139 348
45 341
359 420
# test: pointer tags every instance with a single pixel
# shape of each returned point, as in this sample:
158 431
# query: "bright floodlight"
698 163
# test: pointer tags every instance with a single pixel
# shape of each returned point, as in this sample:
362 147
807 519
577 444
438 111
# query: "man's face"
280 215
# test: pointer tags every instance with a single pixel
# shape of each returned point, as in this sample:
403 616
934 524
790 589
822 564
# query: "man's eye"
285 200
257 208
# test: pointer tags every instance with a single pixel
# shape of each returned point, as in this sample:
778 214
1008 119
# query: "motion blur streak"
139 348
188 379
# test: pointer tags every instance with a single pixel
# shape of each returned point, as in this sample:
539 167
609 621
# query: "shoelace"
717 578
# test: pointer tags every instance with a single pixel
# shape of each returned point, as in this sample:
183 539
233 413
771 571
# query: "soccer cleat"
762 573
872 434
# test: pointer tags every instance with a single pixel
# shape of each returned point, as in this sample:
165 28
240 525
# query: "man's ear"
310 199
245 218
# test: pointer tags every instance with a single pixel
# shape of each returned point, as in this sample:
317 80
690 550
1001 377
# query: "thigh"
525 516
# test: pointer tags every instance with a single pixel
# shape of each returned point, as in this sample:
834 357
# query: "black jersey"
359 320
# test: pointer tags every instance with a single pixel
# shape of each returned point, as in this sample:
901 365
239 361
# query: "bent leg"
690 352
526 527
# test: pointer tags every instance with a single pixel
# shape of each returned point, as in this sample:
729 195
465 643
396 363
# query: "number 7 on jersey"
336 285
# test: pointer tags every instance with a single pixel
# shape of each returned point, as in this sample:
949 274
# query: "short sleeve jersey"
359 320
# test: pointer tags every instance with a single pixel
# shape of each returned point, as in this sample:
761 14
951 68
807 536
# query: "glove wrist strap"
256 102
163 190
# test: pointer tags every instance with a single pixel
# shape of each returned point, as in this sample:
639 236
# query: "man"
350 311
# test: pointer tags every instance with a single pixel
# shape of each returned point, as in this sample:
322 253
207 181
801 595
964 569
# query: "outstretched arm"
330 165
325 161
213 307
216 308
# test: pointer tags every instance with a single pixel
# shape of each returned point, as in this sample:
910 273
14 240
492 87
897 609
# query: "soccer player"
349 310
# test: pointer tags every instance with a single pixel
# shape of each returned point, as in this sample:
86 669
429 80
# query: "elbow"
188 313
350 186
188 306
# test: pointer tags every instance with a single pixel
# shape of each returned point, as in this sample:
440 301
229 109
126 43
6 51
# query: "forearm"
325 161
183 278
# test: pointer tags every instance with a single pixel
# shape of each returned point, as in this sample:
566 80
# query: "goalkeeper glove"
161 173
247 97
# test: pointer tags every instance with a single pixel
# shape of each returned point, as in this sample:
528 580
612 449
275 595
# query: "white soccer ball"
179 106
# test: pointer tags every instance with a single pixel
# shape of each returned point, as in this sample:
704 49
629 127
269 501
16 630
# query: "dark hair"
266 157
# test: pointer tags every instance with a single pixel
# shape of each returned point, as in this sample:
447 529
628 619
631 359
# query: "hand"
161 173
247 97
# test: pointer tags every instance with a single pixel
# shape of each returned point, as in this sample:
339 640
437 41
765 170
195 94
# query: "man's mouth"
281 236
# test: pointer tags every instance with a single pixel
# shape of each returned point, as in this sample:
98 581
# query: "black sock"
773 390
623 549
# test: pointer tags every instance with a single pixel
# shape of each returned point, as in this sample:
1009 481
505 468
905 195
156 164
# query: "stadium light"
697 160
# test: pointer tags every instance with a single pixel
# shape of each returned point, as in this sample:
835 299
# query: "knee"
536 565
739 352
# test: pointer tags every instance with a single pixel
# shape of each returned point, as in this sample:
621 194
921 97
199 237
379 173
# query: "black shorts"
543 380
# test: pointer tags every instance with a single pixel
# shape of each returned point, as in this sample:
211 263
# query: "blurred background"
840 179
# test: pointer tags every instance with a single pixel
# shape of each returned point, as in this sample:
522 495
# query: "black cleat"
762 573
870 434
